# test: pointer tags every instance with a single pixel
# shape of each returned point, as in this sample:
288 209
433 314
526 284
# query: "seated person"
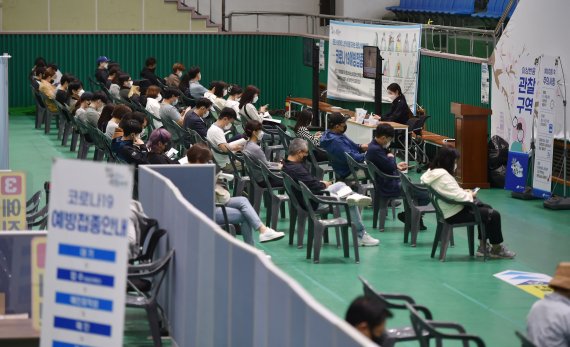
195 89
113 76
369 316
148 72
125 84
194 119
218 89
61 94
91 114
304 119
234 95
254 133
38 72
47 88
159 143
295 168
217 137
101 73
548 321
153 99
82 105
139 117
118 113
379 155
130 148
75 91
173 80
440 177
400 111
167 109
239 209
118 83
106 116
336 144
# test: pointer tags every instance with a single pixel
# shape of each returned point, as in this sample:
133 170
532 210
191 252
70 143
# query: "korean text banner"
399 47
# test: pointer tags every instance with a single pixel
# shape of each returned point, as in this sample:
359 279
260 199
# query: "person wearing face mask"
295 167
248 111
369 317
254 134
113 76
217 137
173 80
218 90
48 89
234 95
149 72
337 144
125 84
130 148
102 74
75 91
399 111
159 143
153 99
167 107
91 114
195 89
82 105
379 155
194 119
62 95
440 177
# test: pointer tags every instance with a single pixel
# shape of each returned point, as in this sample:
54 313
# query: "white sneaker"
265 254
359 200
367 240
271 235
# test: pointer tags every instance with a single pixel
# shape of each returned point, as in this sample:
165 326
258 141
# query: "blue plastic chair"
494 9
463 7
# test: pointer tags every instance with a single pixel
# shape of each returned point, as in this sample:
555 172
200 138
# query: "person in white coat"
440 177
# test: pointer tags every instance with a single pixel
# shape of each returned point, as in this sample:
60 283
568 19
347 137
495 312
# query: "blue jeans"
240 211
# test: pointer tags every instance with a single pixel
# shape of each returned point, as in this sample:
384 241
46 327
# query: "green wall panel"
272 62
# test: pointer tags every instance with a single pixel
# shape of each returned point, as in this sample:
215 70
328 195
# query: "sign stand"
4 143
315 86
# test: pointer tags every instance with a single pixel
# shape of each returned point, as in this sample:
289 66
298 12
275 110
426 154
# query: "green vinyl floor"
462 289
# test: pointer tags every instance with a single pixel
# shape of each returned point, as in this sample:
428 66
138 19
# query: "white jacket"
442 182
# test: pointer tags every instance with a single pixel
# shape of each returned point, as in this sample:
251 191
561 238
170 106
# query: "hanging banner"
399 47
12 201
549 102
524 100
485 83
86 264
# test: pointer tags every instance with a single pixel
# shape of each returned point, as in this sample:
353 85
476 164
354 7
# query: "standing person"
399 111
148 72
369 317
335 142
101 74
173 80
238 208
159 143
548 322
295 168
195 89
440 177
234 95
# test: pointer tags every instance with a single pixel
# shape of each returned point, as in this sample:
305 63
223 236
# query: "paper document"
340 189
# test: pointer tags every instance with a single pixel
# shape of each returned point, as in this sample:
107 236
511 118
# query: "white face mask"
179 74
129 84
238 99
255 98
455 167
174 102
260 135
228 127
225 92
387 145
159 98
105 65
80 92
206 114
391 96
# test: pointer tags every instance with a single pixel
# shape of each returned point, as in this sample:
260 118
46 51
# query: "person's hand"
364 146
390 155
263 109
318 134
280 166
327 183
403 166
375 116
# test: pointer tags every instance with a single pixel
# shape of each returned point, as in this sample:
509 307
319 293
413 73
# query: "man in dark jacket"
294 167
195 120
148 72
379 155
130 148
337 144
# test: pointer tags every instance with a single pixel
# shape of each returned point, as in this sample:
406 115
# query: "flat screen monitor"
369 69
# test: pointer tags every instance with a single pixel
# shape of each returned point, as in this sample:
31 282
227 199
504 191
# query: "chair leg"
436 238
310 238
407 221
292 224
355 244
345 245
375 209
383 213
257 193
318 241
47 121
445 235
471 240
153 322
74 140
336 232
415 225
301 221
276 205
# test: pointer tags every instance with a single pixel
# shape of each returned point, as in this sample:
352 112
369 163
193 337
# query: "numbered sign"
12 201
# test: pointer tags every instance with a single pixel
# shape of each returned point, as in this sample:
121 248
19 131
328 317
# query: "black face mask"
344 129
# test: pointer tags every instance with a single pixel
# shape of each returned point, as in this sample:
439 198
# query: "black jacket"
155 158
195 122
129 152
299 173
379 157
101 75
399 112
148 74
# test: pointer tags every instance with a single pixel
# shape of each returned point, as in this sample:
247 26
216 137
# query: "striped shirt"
304 133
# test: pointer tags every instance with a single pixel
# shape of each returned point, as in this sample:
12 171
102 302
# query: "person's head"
337 123
561 280
85 99
48 75
103 62
99 100
159 141
368 316
202 108
170 96
138 116
219 88
131 128
150 63
39 72
304 118
125 80
65 80
394 91
253 130
40 61
53 67
152 91
75 88
194 73
114 64
445 159
178 69
199 154
298 150
226 117
384 135
120 111
235 92
113 73
250 95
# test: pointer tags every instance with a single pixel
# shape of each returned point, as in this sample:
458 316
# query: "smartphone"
476 190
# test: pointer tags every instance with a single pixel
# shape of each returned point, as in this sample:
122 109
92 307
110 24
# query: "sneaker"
367 240
271 235
480 252
501 252
359 200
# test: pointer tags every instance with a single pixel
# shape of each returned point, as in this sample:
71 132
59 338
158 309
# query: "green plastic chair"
380 202
414 212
